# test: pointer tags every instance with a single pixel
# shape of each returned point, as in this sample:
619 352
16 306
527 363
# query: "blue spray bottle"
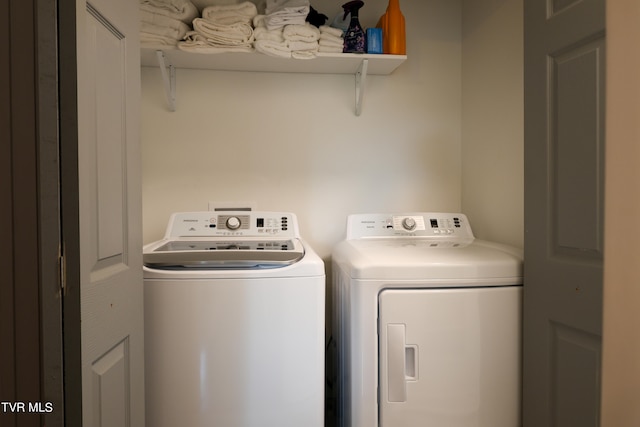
355 40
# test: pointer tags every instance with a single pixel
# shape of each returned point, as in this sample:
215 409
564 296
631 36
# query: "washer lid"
222 253
428 259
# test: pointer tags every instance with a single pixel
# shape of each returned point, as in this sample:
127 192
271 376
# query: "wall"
292 142
493 119
621 347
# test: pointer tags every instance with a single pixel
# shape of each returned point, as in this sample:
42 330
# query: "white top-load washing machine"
427 324
234 323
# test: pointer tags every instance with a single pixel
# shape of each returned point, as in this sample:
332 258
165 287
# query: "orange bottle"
394 39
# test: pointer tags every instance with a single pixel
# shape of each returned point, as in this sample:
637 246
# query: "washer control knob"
233 223
409 224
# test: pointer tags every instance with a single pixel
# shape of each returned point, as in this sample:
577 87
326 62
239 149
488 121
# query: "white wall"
493 119
292 142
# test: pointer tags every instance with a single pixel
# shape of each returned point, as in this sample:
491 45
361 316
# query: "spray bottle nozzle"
352 7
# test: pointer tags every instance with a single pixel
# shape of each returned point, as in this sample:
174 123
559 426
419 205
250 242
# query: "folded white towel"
325 29
222 41
201 4
331 39
261 33
208 49
173 6
158 20
271 48
286 12
231 35
330 49
258 21
278 20
273 6
186 14
245 8
303 33
303 54
195 42
163 31
231 14
330 43
297 45
156 40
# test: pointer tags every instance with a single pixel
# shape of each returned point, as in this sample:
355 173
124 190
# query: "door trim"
69 215
30 304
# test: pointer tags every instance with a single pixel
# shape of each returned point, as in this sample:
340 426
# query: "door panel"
111 389
576 80
110 119
564 192
575 364
110 214
104 146
449 357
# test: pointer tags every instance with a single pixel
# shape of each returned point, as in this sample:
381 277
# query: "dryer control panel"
232 224
422 224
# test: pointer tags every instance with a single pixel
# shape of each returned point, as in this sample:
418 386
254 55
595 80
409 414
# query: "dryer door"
450 357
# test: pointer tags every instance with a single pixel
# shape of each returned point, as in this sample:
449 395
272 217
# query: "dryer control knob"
409 224
233 223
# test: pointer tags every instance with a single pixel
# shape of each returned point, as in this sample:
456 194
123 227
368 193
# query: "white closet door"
450 357
110 213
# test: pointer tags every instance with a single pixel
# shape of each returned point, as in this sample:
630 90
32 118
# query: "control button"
233 223
409 224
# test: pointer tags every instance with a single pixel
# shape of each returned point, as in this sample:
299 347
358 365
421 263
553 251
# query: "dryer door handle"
397 391
402 362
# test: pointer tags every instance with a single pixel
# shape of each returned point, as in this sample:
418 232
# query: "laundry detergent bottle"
393 30
355 40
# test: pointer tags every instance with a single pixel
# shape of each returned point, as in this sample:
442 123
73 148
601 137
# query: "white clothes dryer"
234 323
427 324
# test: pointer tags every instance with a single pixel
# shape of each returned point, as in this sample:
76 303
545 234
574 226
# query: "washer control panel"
232 223
424 224
408 223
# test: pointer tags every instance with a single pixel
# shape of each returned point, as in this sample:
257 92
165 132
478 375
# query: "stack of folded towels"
165 22
235 26
299 41
302 39
331 40
279 13
222 28
269 42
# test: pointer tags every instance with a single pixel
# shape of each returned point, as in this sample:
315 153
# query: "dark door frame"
38 176
69 210
30 307
20 330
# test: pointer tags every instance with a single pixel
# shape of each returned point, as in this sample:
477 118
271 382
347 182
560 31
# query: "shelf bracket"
361 78
168 78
